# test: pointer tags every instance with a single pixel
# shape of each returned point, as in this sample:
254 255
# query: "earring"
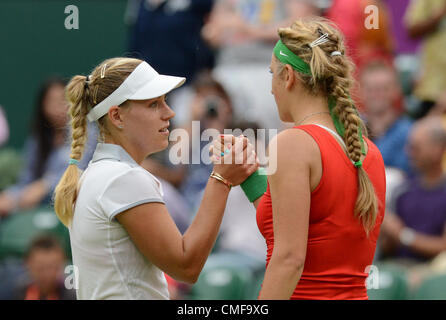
120 126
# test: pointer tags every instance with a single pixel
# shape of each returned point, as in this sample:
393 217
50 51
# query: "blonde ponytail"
331 75
366 206
82 94
66 190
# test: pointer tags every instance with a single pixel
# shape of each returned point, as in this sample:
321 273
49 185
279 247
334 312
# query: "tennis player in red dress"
325 198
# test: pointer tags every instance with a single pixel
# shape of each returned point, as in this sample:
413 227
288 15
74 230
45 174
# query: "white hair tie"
336 53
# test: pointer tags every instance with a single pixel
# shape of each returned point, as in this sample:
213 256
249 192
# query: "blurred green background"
34 44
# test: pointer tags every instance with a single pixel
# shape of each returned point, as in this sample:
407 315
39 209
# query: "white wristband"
407 236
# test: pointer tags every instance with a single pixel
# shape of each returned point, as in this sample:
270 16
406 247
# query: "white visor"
142 84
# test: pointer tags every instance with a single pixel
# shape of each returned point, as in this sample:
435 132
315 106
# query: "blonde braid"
79 130
66 190
366 206
332 76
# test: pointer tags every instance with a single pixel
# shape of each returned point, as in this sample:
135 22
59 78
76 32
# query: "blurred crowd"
224 48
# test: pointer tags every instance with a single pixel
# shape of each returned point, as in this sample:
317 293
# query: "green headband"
286 56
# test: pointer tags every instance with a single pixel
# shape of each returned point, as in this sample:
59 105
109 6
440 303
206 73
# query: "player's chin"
163 145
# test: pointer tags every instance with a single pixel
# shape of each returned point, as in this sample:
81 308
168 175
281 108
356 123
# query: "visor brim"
158 87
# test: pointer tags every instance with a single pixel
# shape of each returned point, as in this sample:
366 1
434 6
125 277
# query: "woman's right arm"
155 234
183 256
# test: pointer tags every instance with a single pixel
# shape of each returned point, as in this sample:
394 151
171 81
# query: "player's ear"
115 116
290 76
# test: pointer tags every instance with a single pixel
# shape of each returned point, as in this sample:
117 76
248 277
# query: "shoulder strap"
335 134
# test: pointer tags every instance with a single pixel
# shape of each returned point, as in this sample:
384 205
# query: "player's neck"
305 105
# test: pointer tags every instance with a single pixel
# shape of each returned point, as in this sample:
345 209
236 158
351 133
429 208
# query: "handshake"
234 159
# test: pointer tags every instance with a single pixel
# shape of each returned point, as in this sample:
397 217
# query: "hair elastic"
73 161
336 53
87 81
358 164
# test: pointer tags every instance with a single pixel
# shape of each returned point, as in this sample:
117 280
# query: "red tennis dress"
338 250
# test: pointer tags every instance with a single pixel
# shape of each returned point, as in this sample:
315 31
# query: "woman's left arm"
291 152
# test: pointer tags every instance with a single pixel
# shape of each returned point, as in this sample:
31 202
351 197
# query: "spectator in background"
245 32
349 17
404 44
46 151
211 107
415 227
406 51
376 43
440 110
426 19
211 104
10 160
381 97
167 34
4 128
363 44
45 261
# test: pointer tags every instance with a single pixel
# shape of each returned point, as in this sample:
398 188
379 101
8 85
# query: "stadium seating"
433 288
256 285
10 165
18 230
222 282
12 273
391 283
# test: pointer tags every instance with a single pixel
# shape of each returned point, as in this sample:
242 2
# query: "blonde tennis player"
122 236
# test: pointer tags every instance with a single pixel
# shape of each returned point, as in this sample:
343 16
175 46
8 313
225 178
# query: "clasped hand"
234 158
